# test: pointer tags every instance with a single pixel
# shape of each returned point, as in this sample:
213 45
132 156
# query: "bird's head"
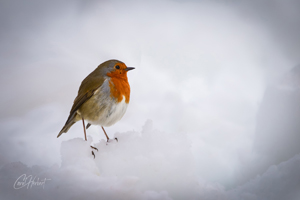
115 68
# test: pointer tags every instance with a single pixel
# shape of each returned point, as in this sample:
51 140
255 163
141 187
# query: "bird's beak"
129 68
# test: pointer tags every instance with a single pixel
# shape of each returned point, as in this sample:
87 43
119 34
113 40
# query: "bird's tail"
71 120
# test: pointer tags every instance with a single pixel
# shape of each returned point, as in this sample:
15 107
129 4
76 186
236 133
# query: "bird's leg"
84 129
85 136
106 135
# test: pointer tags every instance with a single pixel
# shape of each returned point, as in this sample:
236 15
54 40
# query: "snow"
149 164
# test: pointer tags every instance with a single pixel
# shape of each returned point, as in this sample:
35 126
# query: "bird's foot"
110 140
94 148
93 151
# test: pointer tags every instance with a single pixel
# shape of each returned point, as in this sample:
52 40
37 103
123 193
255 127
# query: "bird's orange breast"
119 87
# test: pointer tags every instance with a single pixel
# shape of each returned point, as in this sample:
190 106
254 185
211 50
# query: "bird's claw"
109 140
93 151
94 148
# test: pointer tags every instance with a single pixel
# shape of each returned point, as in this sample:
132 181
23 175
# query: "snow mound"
150 165
146 165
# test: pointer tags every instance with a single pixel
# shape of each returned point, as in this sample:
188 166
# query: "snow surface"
149 164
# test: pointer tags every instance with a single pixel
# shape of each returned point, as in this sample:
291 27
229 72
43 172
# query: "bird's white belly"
112 113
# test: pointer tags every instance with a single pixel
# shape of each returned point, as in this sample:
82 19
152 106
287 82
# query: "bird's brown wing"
86 90
79 100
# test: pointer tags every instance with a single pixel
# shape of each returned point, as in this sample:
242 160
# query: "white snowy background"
214 110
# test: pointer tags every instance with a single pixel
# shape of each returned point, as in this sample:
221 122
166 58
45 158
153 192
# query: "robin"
102 99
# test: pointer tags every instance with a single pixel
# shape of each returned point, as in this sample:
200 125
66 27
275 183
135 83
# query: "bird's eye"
117 67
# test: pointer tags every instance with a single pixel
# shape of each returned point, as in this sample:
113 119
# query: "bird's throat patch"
119 88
